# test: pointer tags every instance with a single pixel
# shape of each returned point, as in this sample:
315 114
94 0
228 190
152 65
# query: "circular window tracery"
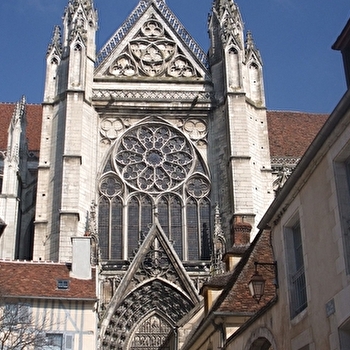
154 158
110 186
198 186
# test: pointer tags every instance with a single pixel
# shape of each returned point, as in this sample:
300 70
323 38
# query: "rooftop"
23 279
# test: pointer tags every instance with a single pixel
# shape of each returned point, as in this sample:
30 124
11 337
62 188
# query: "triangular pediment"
151 43
157 259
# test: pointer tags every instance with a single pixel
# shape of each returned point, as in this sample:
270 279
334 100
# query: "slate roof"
20 279
34 117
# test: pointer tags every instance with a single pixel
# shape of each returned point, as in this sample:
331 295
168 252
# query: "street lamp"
257 282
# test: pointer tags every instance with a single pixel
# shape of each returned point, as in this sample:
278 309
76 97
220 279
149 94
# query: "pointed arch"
170 216
158 168
255 81
77 62
140 219
261 339
233 67
151 333
156 298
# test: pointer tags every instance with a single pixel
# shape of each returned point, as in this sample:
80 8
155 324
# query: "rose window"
154 158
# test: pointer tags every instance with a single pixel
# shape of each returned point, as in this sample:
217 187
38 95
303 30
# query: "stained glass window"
154 168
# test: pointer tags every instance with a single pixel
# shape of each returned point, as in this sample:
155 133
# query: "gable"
156 45
155 274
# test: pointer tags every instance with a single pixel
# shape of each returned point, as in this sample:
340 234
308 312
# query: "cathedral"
160 155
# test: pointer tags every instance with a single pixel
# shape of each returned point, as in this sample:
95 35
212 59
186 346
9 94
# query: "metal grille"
299 299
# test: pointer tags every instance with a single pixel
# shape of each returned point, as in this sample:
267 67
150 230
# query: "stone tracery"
154 158
152 53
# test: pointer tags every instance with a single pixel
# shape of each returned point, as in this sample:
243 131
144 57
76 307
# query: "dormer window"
62 284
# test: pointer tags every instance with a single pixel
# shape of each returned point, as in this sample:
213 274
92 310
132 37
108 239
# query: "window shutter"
68 343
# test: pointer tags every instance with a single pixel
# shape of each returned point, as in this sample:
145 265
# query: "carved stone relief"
111 127
155 298
195 128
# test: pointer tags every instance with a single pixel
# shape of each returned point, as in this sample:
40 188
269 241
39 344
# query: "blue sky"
301 71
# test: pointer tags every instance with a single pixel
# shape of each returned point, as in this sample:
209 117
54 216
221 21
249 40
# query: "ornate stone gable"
152 296
152 48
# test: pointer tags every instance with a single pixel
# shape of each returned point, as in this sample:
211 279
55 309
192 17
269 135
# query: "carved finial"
18 113
217 224
92 229
92 232
249 41
221 5
15 145
219 245
55 40
80 15
251 48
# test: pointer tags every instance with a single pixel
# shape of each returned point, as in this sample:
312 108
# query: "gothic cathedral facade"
156 150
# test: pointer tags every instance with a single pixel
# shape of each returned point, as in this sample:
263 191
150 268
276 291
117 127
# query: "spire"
16 143
18 112
79 16
227 18
221 5
251 50
219 245
56 44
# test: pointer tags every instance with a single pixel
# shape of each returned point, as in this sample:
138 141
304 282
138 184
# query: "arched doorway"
151 334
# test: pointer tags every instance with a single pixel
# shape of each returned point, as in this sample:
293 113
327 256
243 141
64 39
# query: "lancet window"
154 171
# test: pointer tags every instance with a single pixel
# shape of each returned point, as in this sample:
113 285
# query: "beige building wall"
314 201
74 320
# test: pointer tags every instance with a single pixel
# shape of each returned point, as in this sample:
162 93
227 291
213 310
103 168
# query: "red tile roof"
34 116
291 133
236 296
39 280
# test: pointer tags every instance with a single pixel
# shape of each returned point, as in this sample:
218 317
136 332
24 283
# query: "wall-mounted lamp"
257 282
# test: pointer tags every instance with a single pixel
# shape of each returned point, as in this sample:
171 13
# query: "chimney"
81 267
240 231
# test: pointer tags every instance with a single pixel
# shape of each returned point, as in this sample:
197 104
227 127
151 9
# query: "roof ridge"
17 261
297 112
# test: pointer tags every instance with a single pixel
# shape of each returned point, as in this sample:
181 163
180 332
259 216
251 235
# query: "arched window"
110 218
205 229
116 229
170 218
155 170
140 219
254 76
103 226
192 229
